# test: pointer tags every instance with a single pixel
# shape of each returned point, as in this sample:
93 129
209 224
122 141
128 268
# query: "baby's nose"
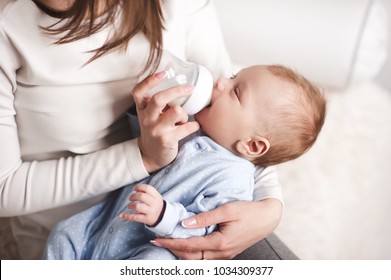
217 91
219 86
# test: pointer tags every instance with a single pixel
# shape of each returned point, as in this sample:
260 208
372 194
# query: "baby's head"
266 114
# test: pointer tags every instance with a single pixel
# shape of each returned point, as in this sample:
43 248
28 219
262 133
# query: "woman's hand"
161 127
241 224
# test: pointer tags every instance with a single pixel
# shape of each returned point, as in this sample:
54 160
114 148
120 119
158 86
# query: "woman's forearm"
40 185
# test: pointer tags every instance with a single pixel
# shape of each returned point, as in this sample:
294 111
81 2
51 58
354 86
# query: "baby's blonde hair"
297 122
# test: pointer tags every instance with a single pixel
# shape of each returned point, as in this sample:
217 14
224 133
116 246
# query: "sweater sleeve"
267 184
30 186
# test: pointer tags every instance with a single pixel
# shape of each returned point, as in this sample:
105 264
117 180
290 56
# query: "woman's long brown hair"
81 20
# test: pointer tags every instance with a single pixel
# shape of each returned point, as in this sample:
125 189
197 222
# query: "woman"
68 68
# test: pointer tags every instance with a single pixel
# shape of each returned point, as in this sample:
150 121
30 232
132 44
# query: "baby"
264 115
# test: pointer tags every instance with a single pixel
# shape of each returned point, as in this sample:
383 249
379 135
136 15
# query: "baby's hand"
147 202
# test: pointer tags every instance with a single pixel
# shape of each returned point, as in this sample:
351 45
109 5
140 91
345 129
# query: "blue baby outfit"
203 176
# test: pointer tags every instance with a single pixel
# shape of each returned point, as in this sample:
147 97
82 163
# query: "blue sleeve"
230 184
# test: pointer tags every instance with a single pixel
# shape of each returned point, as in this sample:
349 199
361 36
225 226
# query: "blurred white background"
338 195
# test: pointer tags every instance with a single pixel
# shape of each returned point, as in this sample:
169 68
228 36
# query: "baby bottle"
179 72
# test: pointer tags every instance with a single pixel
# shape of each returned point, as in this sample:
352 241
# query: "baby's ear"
253 148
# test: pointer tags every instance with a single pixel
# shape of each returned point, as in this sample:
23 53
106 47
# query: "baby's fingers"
142 197
139 207
139 218
146 189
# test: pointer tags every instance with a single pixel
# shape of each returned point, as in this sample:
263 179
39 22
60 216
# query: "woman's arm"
28 187
31 186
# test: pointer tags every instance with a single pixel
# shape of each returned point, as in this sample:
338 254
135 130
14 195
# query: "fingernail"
154 242
189 88
160 75
188 222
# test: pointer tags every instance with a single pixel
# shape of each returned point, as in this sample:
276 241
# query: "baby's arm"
224 182
158 215
229 184
171 226
164 218
147 204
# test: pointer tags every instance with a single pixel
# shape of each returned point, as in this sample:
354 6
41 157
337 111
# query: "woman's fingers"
141 90
158 141
174 115
207 255
216 216
158 103
191 248
186 129
174 124
155 105
218 243
192 244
